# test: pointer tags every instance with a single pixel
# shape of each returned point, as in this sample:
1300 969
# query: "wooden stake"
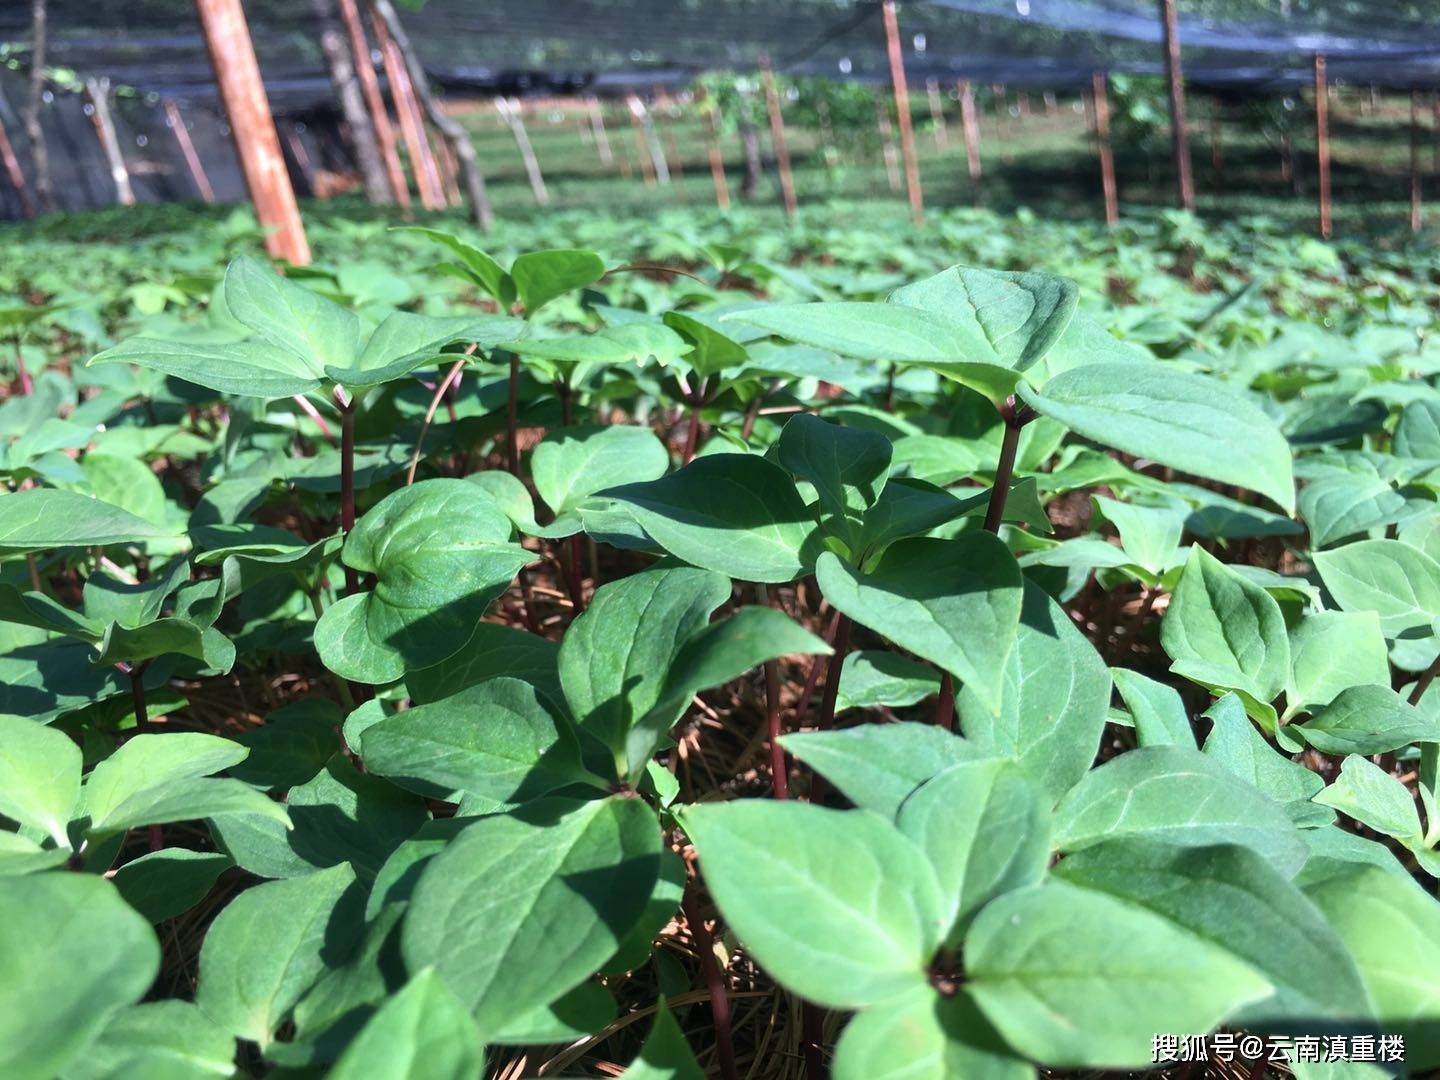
256 144
675 161
14 172
937 114
652 157
902 107
1414 161
970 126
509 112
1100 94
777 136
176 123
717 159
602 138
412 125
1322 142
1184 180
98 91
374 102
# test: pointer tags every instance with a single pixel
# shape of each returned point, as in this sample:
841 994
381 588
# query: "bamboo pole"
1322 142
1100 96
511 115
902 107
602 137
887 142
412 125
717 159
35 101
937 114
15 173
176 123
1184 179
450 129
1414 161
359 130
374 101
98 91
970 126
256 143
777 136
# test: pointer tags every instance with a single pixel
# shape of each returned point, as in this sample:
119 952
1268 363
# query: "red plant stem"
34 567
575 577
945 706
567 403
450 378
26 385
812 677
692 435
347 483
1005 467
154 835
715 980
512 417
308 408
1422 684
779 763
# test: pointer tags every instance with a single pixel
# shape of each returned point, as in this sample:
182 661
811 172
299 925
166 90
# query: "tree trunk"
753 168
33 131
352 105
448 127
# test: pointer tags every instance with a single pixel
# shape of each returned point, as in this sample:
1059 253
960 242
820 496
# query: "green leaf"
1417 434
586 1010
733 513
1178 795
909 507
847 467
1189 422
571 464
985 827
421 1033
521 907
954 602
665 1054
1368 720
1233 899
711 352
616 657
244 368
1237 745
1157 709
318 332
440 554
1398 582
494 741
876 766
925 1036
270 944
720 652
74 954
164 883
39 777
153 761
157 1039
837 905
633 343
478 266
291 746
1221 630
1331 651
873 678
1054 699
492 650
1347 504
1150 535
1073 977
1372 796
1392 929
43 518
541 276
405 341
